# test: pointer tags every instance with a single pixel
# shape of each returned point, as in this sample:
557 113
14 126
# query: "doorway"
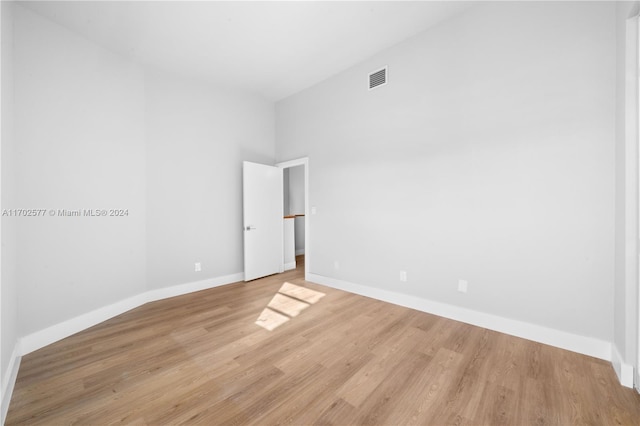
296 210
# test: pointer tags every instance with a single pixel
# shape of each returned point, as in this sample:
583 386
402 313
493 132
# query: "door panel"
263 220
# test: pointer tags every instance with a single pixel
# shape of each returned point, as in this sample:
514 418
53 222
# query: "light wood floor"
344 359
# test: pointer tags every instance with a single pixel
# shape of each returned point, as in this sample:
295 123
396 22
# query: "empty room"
302 212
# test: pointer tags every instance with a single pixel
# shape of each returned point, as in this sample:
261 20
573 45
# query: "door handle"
249 227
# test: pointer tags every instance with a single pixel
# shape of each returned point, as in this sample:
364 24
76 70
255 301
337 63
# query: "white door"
262 195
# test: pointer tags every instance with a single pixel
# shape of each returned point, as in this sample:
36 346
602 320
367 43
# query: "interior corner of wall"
634 9
9 380
623 370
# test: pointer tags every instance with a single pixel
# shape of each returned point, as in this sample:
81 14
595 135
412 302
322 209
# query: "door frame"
632 184
631 204
304 161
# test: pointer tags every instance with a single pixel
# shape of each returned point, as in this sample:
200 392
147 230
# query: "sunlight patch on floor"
301 293
288 302
271 319
287 305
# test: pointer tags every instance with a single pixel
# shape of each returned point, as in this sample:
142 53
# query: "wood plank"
343 359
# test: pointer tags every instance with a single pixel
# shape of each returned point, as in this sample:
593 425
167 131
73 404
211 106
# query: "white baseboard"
180 289
623 370
549 336
42 338
299 252
290 265
9 380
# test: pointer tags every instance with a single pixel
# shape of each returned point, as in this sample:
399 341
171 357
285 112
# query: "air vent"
378 78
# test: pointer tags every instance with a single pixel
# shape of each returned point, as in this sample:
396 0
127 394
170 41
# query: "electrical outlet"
314 210
198 267
336 264
462 286
403 276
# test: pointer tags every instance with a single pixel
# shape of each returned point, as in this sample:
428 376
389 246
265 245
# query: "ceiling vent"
378 78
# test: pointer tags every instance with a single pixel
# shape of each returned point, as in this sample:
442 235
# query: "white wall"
197 138
285 197
296 203
488 157
8 281
96 131
80 145
296 190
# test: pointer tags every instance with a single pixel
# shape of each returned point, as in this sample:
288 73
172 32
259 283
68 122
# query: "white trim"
632 90
3 374
299 252
42 338
623 370
9 380
631 326
289 266
304 161
179 290
549 336
293 163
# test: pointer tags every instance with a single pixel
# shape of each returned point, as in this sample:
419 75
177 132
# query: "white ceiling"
273 48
